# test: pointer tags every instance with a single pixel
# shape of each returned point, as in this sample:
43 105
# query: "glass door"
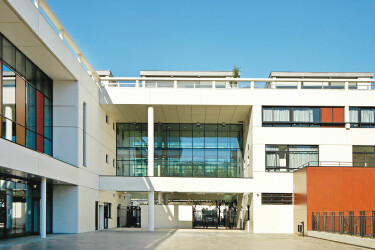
3 218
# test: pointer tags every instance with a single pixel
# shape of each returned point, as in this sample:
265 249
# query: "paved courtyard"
172 239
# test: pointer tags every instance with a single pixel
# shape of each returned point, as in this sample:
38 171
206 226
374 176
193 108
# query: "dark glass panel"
30 72
9 53
20 63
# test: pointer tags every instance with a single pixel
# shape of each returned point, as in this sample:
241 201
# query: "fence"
359 223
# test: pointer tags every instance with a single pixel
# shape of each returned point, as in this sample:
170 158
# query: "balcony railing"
55 23
238 83
360 223
334 164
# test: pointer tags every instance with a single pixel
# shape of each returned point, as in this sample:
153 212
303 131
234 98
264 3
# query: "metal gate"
205 218
134 217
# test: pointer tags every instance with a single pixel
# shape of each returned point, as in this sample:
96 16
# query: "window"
364 156
303 116
84 142
114 126
114 163
277 198
362 117
106 119
191 150
290 157
26 100
107 158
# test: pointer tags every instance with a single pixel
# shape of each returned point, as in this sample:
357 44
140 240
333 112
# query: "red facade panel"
39 121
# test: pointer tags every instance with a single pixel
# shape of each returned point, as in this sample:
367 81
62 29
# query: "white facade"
83 185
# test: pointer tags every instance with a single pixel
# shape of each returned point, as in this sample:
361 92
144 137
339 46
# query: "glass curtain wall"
25 100
184 150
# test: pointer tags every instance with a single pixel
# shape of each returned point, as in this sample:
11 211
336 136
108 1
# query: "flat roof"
161 73
321 74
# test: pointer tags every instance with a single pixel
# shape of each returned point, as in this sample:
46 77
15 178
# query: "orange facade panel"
336 189
338 115
20 110
326 114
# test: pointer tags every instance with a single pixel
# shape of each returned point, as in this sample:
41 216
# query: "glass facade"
20 207
184 150
25 100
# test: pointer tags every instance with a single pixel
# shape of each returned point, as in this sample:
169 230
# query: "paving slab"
125 238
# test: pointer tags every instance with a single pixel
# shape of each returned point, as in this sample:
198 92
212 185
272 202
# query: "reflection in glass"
9 104
185 150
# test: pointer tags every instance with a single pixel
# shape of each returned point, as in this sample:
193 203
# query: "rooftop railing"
238 83
50 16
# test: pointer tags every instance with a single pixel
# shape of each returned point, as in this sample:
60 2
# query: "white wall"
271 218
65 209
169 216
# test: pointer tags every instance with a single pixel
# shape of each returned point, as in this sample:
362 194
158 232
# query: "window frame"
292 123
363 153
361 124
287 168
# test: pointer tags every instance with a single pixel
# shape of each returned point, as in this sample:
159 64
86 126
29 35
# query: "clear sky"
259 36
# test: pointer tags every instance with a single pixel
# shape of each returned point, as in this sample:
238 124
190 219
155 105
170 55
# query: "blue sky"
258 36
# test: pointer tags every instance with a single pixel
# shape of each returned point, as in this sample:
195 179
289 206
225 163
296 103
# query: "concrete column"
160 198
43 208
252 85
8 123
151 211
165 198
150 141
347 117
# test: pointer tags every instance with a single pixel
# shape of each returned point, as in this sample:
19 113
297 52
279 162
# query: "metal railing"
238 83
359 223
334 164
42 5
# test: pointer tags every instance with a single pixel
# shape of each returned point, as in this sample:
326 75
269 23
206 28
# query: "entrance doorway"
101 217
134 217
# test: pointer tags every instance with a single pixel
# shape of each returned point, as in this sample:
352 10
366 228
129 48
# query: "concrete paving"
172 239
